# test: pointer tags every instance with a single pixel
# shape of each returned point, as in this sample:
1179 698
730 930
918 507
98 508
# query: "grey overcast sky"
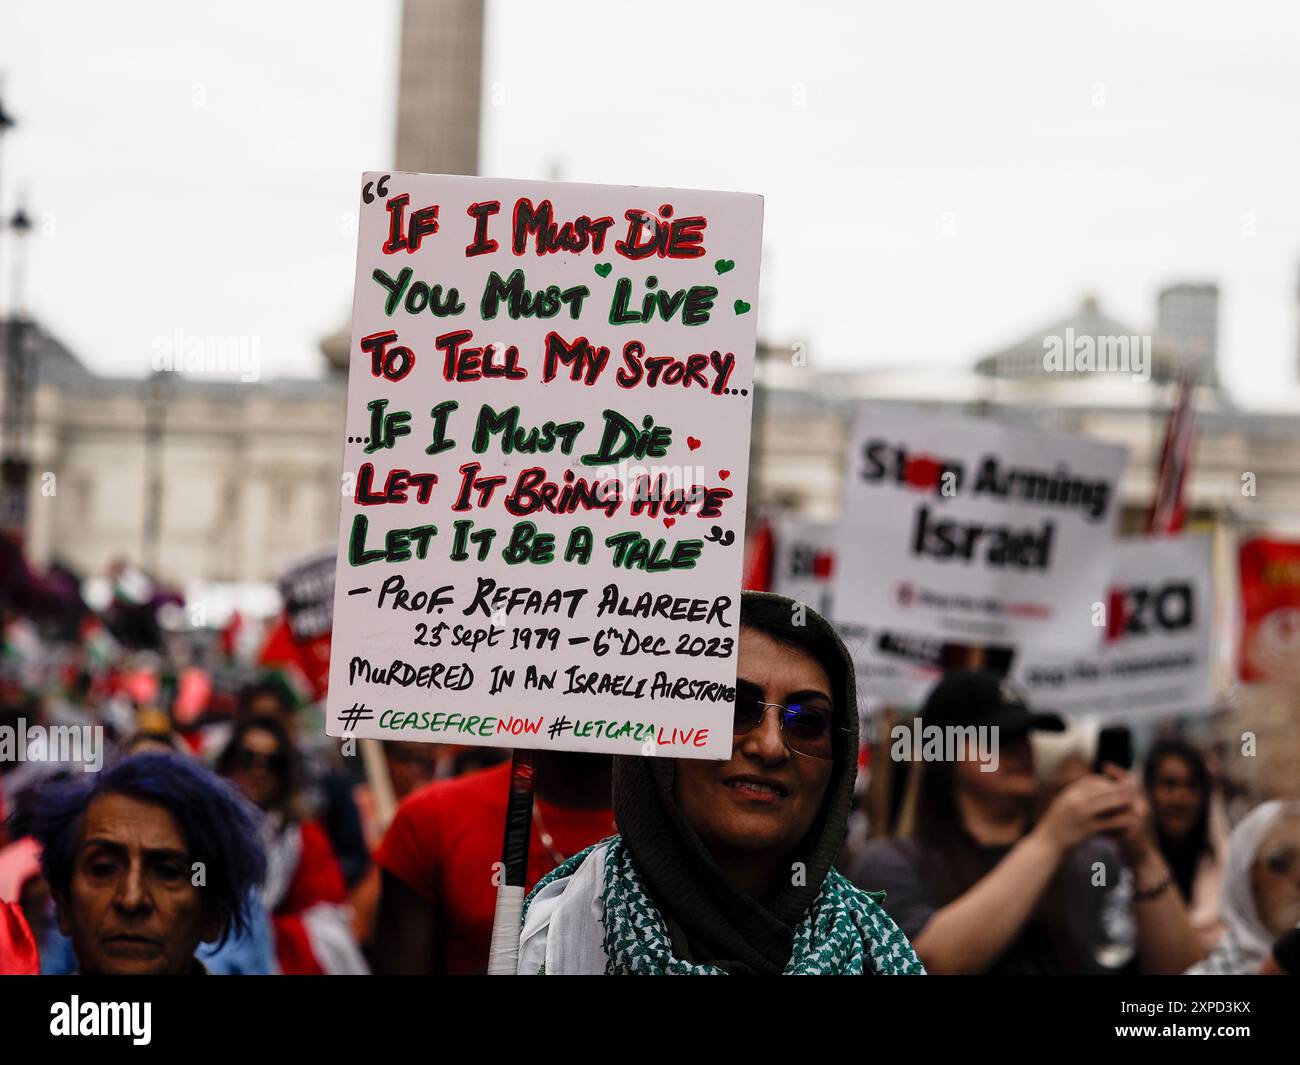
941 178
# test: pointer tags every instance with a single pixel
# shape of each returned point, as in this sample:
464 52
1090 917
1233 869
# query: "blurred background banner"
1155 631
1270 610
956 528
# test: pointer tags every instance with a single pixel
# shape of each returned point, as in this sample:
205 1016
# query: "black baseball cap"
979 697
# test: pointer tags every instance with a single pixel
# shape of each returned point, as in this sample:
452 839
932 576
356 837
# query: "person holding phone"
984 885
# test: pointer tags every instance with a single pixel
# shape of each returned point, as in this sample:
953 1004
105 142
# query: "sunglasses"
272 763
807 725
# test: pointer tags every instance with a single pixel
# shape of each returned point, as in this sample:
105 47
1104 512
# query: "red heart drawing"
724 474
669 522
692 442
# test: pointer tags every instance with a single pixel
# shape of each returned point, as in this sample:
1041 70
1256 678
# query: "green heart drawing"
604 268
741 306
723 265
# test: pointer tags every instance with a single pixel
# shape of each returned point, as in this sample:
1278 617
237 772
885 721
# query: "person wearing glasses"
304 891
726 866
1261 893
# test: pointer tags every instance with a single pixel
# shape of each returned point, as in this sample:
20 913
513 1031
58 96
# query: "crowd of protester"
234 837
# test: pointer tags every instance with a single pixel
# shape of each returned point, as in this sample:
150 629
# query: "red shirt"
445 839
318 878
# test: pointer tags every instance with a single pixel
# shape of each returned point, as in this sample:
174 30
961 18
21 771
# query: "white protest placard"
889 666
307 591
1153 651
965 530
804 561
545 465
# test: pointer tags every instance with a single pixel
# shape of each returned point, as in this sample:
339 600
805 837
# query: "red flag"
18 954
760 553
230 634
193 693
1168 509
305 665
281 652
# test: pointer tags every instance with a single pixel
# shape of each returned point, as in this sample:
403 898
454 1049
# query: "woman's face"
132 906
1176 799
765 797
259 767
1014 777
1275 876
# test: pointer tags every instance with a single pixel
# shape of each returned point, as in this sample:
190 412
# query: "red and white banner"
1153 652
1270 607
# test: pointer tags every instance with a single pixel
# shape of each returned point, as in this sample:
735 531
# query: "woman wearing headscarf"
726 867
1261 890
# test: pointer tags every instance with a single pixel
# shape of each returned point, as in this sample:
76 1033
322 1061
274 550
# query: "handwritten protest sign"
1153 650
964 529
545 465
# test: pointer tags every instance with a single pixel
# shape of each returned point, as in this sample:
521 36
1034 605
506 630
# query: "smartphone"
1114 747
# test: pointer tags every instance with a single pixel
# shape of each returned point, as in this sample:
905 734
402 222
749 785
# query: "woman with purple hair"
145 861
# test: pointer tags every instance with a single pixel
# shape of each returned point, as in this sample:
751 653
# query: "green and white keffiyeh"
845 932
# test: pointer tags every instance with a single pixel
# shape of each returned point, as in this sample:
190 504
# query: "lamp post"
14 469
13 504
7 122
155 394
